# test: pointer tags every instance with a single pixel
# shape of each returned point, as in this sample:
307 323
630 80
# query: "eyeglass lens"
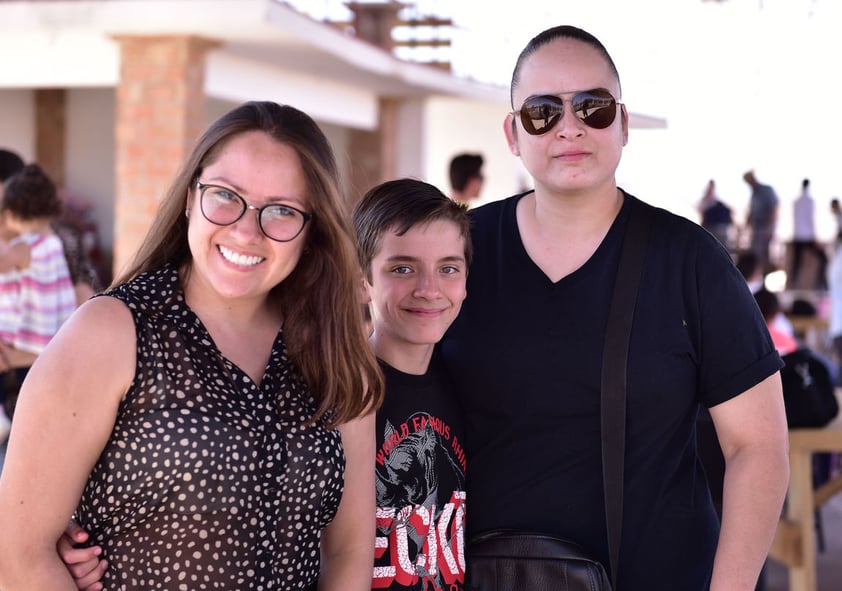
223 207
595 108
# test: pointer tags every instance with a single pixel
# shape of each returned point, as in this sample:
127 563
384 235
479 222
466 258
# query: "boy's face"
417 285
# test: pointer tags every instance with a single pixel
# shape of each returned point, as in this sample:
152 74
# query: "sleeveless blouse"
209 481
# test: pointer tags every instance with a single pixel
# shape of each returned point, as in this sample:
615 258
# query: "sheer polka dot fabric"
208 481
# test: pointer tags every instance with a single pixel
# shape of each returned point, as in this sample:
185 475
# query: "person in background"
526 351
834 281
466 178
84 276
748 264
10 163
836 210
36 292
770 308
716 216
762 218
209 419
804 237
414 249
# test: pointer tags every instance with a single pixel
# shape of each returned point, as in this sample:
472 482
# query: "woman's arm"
752 433
64 417
348 542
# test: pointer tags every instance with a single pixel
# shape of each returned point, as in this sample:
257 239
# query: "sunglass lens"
596 109
540 113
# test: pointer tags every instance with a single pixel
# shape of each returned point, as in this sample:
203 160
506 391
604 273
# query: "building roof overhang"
263 49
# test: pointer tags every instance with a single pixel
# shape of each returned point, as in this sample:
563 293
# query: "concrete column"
160 111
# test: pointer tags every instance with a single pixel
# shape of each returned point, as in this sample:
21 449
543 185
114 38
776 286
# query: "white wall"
17 122
457 125
89 156
411 139
339 141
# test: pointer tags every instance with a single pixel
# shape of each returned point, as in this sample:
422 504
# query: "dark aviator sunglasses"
596 108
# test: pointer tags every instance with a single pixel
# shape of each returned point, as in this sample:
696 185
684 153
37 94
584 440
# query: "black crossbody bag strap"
614 374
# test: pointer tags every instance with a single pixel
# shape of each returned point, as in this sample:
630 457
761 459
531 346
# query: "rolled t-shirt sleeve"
735 349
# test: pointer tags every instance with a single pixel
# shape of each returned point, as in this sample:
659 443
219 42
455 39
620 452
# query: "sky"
743 84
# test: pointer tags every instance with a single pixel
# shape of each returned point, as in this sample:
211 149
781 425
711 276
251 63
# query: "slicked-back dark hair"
398 205
550 35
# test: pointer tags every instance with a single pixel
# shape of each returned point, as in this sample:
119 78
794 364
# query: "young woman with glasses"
208 419
526 351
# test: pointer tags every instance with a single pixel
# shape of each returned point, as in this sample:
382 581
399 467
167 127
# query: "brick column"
50 132
160 111
374 151
374 21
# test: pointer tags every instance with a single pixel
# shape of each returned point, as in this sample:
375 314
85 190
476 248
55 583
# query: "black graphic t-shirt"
420 479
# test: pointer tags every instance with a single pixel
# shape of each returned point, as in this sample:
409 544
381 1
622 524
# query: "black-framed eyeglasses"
223 206
596 108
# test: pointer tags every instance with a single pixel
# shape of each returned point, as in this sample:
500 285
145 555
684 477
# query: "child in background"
36 292
83 272
770 307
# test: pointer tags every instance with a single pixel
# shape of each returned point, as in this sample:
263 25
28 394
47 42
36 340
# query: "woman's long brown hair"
320 299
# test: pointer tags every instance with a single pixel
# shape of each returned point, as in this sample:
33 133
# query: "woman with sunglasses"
208 419
526 351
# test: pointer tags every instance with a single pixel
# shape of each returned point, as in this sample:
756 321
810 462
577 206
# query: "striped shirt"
35 301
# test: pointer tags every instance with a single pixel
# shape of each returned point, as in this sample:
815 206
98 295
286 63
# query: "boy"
414 249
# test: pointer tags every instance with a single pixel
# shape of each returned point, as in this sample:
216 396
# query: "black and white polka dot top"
208 481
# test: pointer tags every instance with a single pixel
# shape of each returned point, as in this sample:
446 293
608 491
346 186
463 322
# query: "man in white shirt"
804 238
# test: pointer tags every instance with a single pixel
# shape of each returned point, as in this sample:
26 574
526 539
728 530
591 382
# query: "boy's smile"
416 290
